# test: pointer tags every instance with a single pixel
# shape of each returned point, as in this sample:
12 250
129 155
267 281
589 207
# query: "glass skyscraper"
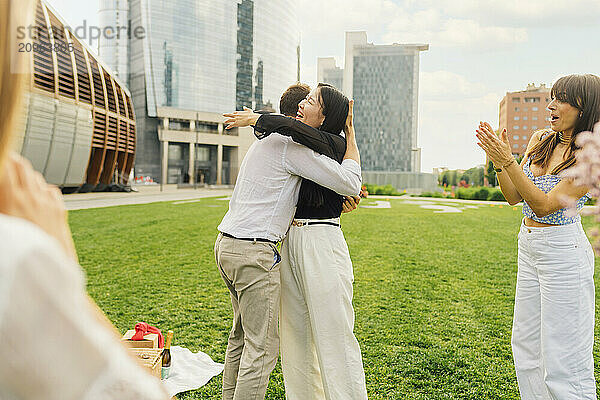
206 56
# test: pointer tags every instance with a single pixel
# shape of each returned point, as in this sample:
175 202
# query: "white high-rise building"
114 43
329 72
383 80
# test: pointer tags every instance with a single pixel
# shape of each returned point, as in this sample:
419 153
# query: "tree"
445 181
475 175
491 174
453 178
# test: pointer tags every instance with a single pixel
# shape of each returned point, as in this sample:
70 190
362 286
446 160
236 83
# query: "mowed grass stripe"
433 293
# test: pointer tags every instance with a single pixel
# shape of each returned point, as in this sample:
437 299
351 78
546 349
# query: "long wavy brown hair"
583 93
14 67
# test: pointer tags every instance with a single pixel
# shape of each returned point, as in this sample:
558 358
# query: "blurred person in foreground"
56 343
320 356
553 323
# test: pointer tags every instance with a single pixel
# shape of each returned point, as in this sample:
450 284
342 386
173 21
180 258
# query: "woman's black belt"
303 223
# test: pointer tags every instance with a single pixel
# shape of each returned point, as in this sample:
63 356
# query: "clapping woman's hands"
239 119
497 148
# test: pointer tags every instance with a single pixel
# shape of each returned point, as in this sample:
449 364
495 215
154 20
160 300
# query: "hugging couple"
293 185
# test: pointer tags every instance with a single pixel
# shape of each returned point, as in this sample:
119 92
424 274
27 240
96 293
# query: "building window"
516 100
534 118
179 124
524 137
516 137
524 146
534 108
534 127
202 153
524 118
524 108
516 146
209 127
524 126
517 109
516 127
532 99
516 118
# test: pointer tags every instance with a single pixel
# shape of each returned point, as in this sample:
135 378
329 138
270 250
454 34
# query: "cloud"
446 85
457 33
450 108
517 13
396 23
337 16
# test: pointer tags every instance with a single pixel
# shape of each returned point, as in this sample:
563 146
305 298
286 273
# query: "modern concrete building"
524 112
196 60
78 128
196 148
383 80
329 72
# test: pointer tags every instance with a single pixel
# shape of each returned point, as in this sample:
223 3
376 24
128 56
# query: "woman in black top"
321 357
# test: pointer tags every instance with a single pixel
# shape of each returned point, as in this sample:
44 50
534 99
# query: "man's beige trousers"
251 272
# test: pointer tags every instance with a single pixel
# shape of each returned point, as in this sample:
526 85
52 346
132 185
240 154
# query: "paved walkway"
152 194
144 195
438 199
450 200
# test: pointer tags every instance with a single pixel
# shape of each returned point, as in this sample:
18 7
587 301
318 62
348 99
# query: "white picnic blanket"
189 370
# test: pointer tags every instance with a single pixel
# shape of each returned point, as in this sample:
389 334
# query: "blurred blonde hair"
14 68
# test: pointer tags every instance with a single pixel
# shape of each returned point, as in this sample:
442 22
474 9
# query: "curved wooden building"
79 127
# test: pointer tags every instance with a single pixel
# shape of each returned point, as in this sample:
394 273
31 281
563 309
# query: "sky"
478 51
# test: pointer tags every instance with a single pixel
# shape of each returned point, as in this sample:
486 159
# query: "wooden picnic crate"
150 359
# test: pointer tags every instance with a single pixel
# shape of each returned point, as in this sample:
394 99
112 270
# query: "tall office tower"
524 112
191 61
329 72
383 80
276 35
113 14
352 39
298 56
258 89
245 47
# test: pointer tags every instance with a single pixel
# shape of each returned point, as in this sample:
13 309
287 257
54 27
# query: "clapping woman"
553 325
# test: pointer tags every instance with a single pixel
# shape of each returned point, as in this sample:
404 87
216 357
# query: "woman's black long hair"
583 93
335 106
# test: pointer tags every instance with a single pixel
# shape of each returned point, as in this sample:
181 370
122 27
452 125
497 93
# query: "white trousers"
320 355
553 326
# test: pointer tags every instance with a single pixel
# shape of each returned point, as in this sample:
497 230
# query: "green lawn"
433 292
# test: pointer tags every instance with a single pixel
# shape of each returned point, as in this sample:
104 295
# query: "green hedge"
480 193
472 193
387 190
431 194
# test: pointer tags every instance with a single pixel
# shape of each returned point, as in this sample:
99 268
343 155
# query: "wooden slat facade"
78 77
